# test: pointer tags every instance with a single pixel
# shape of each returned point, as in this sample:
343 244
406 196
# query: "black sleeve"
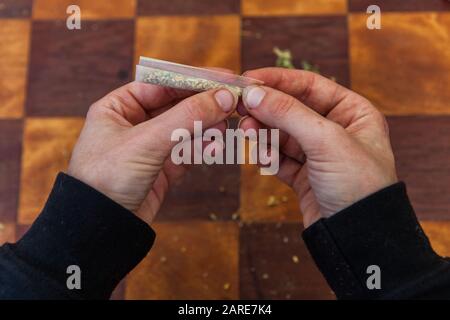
78 226
380 230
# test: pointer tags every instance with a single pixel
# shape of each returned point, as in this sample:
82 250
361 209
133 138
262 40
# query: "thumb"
210 107
279 110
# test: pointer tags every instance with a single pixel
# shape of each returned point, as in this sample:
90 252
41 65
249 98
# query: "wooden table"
50 75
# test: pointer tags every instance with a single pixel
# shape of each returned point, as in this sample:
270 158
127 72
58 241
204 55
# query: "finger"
279 110
135 101
288 145
316 91
241 109
151 96
157 111
153 201
289 170
196 146
209 108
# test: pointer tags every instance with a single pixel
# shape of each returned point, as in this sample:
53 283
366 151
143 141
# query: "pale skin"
123 150
334 144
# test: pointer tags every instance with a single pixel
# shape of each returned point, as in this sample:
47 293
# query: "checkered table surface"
50 75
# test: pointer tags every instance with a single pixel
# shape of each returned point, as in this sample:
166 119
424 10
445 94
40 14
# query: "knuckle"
115 102
111 101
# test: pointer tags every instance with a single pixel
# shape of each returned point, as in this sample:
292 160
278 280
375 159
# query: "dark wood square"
10 152
15 8
422 149
275 264
320 40
70 69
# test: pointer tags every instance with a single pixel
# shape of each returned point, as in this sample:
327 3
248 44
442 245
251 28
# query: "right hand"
334 144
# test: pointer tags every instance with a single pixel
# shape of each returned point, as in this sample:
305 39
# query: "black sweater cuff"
81 226
380 230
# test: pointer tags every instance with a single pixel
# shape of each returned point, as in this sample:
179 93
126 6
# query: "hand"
334 144
123 150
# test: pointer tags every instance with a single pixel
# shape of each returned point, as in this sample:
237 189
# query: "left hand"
123 150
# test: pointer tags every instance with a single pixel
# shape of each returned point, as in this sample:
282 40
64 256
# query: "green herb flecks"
310 67
284 60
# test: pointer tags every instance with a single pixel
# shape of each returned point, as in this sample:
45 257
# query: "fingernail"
253 96
225 99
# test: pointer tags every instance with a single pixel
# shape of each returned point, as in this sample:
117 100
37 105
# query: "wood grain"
47 146
439 234
13 66
266 198
207 191
119 291
404 68
21 229
10 152
400 5
7 233
293 7
15 8
190 260
211 41
421 146
98 9
191 7
69 70
275 264
319 40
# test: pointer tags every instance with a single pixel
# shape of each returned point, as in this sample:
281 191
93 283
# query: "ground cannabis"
284 60
179 81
